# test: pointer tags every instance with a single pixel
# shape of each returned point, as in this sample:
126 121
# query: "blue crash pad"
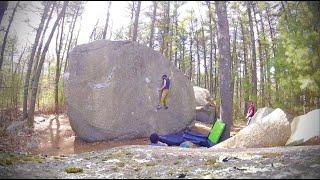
182 136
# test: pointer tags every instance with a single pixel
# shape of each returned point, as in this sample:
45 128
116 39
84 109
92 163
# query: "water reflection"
56 137
81 146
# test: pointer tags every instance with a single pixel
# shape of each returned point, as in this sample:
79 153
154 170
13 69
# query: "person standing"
250 112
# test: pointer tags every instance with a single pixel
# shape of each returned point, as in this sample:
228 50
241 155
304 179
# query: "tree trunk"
245 59
3 8
204 58
154 14
30 62
6 35
260 59
38 72
216 62
166 31
58 68
136 20
234 61
107 21
190 49
211 44
41 44
71 38
131 19
253 56
183 55
198 57
225 74
176 34
273 49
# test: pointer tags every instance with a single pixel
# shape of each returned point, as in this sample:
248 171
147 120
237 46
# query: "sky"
28 18
93 11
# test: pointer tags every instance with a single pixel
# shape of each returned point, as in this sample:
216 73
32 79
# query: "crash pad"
216 131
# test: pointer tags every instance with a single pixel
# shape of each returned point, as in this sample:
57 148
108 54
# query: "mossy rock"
73 170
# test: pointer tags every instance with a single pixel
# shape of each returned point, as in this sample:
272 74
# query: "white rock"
271 131
305 129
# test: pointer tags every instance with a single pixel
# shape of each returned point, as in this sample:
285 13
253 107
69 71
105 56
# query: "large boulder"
305 129
202 96
262 112
111 92
272 130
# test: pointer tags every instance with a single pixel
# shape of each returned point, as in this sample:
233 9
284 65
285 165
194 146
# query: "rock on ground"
202 96
13 127
305 129
262 112
111 92
175 162
206 114
205 111
272 130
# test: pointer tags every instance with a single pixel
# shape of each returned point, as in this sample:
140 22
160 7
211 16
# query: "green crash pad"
216 131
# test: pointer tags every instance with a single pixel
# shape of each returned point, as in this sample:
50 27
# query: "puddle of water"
55 137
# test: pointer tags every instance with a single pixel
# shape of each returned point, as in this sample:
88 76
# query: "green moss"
115 169
170 173
150 164
8 162
7 159
271 155
137 169
176 162
73 170
211 161
120 164
128 154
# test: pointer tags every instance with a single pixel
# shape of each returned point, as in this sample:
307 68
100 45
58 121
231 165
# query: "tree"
39 69
153 20
211 46
225 64
253 55
59 61
166 35
6 35
107 21
3 8
260 57
32 56
136 20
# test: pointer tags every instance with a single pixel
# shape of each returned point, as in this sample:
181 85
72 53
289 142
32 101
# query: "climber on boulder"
164 90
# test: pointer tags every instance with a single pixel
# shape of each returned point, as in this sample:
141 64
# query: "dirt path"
53 136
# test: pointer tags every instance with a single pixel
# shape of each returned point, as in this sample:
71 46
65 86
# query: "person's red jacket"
250 111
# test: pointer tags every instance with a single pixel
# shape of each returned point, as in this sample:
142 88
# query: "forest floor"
53 151
53 136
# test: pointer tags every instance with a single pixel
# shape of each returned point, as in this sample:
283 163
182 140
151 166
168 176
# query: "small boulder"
305 129
202 96
205 111
262 112
271 131
13 127
206 114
